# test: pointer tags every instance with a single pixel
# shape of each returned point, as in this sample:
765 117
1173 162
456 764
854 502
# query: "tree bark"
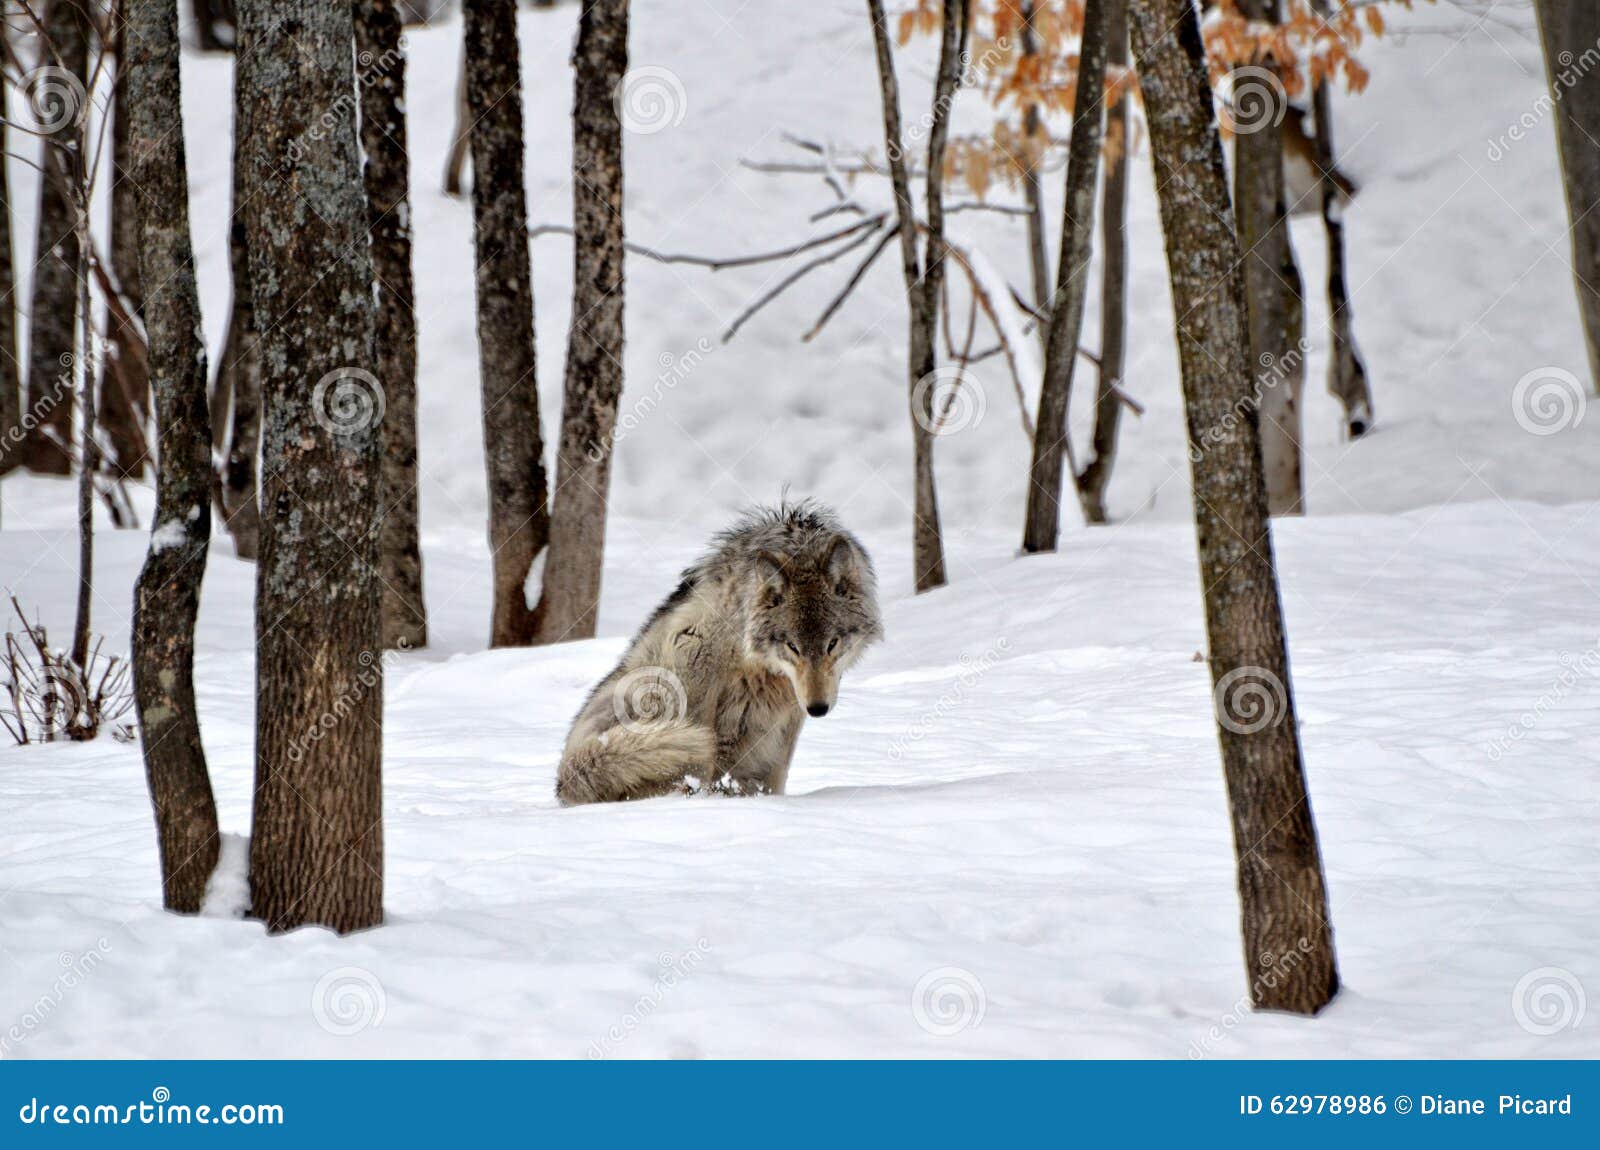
1272 275
52 310
1572 28
236 414
519 518
1288 938
11 432
316 848
124 384
1051 448
1096 475
1347 372
570 596
166 598
1032 190
461 142
924 274
383 138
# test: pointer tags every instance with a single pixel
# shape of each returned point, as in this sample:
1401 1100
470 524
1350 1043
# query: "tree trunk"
1032 190
1347 372
52 310
1288 938
1570 30
316 849
11 430
519 518
461 142
923 276
570 596
1096 475
236 412
124 387
166 598
383 139
1272 276
215 24
88 447
1051 446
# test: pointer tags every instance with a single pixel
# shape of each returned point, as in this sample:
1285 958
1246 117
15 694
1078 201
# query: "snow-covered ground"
1011 837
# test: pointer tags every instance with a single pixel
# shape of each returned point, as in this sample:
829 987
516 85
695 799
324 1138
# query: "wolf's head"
812 615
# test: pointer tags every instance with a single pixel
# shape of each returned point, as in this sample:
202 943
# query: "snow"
1011 837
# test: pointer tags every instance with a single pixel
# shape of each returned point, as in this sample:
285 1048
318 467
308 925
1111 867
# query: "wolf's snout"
817 710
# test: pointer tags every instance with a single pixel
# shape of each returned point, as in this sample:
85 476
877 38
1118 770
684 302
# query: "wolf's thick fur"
715 686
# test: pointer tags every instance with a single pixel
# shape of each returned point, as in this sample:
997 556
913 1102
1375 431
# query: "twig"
791 279
850 285
716 264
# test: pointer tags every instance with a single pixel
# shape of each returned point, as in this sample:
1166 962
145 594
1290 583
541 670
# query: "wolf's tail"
634 762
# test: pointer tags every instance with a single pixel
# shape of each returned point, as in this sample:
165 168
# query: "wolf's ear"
841 562
773 567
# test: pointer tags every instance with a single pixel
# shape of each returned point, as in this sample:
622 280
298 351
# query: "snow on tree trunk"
519 518
236 414
1570 30
1050 429
166 597
1272 276
382 63
570 598
52 308
1096 475
316 847
1288 938
923 274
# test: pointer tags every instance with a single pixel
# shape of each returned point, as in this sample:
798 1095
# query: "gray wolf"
713 690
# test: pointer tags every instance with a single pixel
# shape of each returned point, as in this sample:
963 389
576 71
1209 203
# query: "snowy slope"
1014 825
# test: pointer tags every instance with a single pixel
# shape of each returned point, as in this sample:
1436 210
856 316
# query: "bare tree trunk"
519 518
11 432
570 596
215 24
461 144
236 396
316 848
1347 372
166 598
923 276
1288 937
1570 30
383 138
1096 475
124 386
1272 275
1033 192
1051 446
52 310
88 449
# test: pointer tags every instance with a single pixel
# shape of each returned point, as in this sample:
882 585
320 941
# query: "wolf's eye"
832 643
792 647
